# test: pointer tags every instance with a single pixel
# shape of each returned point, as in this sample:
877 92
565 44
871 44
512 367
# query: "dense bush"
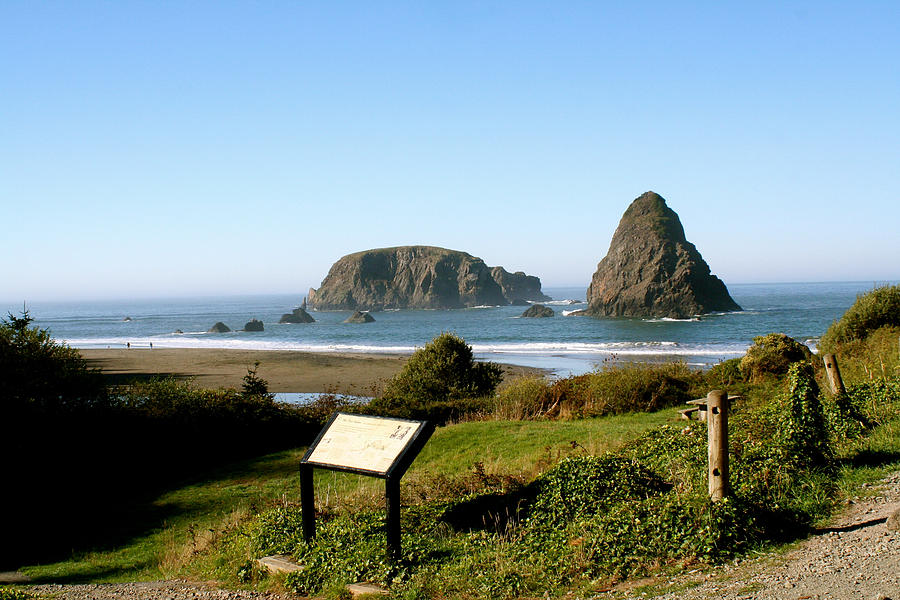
42 376
725 375
871 311
434 379
585 486
772 354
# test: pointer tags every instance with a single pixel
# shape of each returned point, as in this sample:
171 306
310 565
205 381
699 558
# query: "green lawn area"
180 523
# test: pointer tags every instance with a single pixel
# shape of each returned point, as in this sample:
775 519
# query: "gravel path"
151 590
858 557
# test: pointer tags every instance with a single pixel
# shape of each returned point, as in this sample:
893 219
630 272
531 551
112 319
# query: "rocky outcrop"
360 317
651 270
538 311
219 327
518 287
254 325
417 277
298 315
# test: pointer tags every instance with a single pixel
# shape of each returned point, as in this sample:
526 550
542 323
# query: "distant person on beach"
128 345
151 345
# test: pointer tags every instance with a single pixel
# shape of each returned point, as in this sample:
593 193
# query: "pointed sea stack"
651 270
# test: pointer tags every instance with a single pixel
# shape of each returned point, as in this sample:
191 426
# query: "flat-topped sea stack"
298 315
254 325
419 277
538 311
518 288
651 270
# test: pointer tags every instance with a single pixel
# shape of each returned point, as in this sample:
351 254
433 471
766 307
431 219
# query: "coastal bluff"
419 277
651 270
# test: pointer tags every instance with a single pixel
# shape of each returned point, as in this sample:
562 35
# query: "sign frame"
398 466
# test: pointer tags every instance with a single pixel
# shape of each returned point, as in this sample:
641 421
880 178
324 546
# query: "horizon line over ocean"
563 344
15 305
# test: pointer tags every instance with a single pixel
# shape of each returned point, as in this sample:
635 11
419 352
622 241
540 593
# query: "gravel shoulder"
150 590
856 557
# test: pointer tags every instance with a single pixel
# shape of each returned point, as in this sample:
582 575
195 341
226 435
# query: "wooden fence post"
834 374
717 434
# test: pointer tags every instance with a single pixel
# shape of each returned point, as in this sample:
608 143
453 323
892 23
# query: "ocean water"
564 344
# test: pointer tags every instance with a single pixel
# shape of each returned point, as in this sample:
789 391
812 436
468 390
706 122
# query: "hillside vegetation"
532 487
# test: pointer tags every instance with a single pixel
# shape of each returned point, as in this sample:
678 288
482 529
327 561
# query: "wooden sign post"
375 446
717 438
834 374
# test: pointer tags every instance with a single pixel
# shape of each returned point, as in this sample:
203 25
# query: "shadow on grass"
65 518
872 458
122 379
848 528
491 512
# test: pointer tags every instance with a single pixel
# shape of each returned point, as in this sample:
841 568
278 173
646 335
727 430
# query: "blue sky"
185 148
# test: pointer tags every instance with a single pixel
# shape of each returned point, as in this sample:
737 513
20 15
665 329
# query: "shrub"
434 378
11 593
584 486
802 434
725 374
42 375
631 387
772 354
871 311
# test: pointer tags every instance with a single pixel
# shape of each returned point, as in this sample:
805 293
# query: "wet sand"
286 371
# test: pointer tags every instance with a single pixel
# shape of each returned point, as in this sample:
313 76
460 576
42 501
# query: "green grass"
182 523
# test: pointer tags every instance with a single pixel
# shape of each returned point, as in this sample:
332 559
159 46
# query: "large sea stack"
651 270
418 277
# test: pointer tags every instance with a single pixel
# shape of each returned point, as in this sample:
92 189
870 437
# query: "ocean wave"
672 320
217 342
560 348
561 302
607 348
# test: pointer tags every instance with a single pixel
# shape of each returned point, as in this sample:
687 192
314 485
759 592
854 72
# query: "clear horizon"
157 149
16 306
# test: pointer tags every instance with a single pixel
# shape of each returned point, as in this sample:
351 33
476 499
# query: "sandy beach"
286 371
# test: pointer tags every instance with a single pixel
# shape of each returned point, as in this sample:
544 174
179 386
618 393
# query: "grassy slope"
184 521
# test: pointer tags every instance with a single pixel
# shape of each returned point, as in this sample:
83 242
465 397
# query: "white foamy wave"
607 348
566 313
212 342
671 320
560 348
562 302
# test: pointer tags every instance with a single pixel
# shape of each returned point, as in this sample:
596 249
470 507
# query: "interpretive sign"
377 446
363 443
